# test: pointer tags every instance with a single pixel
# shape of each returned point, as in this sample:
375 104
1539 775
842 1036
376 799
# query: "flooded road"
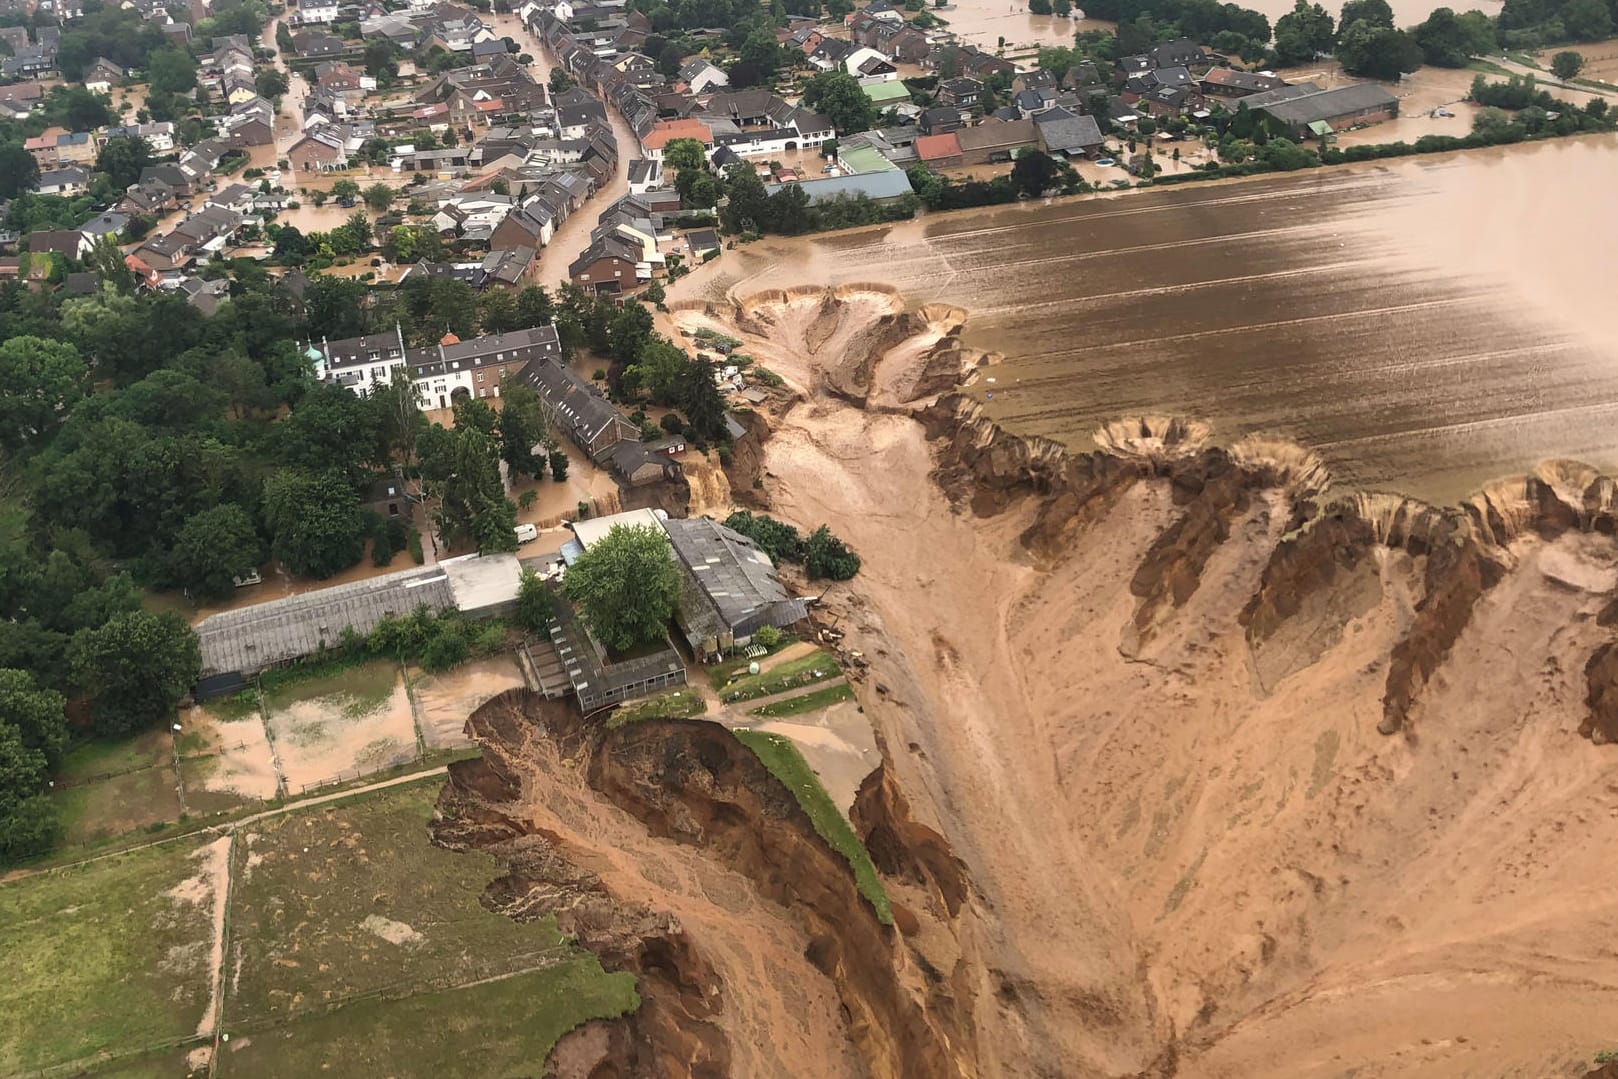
1426 324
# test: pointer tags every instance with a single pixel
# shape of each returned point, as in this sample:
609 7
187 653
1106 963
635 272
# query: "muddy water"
1426 325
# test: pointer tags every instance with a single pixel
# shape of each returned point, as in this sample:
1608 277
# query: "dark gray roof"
1064 132
266 634
1304 109
731 585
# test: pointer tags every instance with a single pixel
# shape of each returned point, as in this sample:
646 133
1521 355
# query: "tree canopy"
625 586
136 668
840 97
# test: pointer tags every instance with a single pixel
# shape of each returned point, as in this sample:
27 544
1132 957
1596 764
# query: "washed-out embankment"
1228 938
552 795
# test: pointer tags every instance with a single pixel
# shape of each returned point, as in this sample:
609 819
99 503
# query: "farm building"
1307 110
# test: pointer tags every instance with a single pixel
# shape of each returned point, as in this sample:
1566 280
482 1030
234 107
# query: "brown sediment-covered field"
1425 325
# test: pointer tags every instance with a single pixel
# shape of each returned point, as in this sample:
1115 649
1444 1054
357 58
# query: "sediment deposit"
1194 765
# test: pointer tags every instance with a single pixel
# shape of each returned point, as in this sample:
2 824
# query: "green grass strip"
784 761
809 702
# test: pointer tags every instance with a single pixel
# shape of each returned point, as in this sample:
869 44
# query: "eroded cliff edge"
671 852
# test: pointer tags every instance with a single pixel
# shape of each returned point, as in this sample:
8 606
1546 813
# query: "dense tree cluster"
823 555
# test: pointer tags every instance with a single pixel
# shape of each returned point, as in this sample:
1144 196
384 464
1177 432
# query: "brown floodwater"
1426 325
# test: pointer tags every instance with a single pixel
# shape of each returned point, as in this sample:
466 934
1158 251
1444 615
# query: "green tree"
332 428
699 400
122 160
315 523
746 206
171 70
560 81
19 172
345 190
762 51
334 307
1448 41
788 211
840 97
1567 64
378 197
1375 12
1302 34
135 669
28 823
522 427
827 556
213 548
535 604
558 461
270 82
497 311
462 470
1377 52
779 540
1587 20
625 586
1034 172
37 714
380 60
39 381
685 154
534 307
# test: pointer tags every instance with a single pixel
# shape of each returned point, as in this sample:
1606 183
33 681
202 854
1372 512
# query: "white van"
526 533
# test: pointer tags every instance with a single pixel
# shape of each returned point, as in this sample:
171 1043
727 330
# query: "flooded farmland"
1425 324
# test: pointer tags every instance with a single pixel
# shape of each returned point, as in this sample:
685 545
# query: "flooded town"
869 538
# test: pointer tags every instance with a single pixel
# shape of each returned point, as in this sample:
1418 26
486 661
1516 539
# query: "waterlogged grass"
809 702
102 958
817 666
784 761
363 687
681 704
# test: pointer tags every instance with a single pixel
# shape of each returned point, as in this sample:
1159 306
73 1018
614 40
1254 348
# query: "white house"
868 65
702 76
317 12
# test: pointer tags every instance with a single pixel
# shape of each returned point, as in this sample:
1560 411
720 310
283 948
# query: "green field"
103 958
784 761
496 1029
812 701
364 686
817 666
319 894
122 803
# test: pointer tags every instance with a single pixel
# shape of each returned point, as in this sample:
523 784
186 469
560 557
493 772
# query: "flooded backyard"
1425 324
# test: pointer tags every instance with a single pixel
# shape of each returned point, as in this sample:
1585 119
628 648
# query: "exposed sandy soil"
1195 854
325 734
443 701
244 764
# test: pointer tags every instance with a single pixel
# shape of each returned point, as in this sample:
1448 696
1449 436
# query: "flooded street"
1425 324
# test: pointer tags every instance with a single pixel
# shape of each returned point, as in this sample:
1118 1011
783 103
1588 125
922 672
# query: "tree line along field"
346 942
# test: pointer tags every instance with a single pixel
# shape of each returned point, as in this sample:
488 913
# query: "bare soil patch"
350 724
443 701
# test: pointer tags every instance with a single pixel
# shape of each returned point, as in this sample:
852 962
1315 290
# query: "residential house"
938 121
1032 102
322 150
19 99
317 45
941 151
960 93
159 135
578 409
205 296
995 141
43 150
869 65
102 75
653 142
644 175
1228 82
446 372
1181 52
316 13
1066 134
700 76
111 223
33 62
337 76
69 242
64 180
758 122
610 264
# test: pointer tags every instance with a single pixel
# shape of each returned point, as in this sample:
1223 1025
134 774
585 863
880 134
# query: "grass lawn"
1488 67
784 761
101 957
164 1064
680 704
817 666
720 673
353 898
199 800
99 757
499 1028
123 803
813 701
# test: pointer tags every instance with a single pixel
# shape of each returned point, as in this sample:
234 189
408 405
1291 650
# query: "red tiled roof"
668 130
936 147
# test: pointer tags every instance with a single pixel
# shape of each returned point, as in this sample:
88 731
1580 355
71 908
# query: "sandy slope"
1192 858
